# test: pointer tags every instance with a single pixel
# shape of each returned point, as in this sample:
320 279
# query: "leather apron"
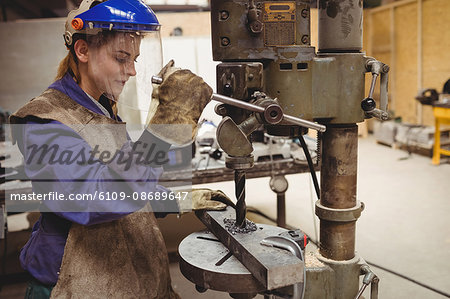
125 258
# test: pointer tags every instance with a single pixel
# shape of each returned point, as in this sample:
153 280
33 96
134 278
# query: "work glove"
205 199
177 104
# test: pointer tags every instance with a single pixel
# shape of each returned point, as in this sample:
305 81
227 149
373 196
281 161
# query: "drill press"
271 77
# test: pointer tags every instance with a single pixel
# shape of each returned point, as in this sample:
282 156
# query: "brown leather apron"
126 258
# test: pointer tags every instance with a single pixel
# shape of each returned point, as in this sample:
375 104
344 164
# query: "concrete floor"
405 226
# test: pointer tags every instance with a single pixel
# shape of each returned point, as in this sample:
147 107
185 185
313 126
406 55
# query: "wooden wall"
413 37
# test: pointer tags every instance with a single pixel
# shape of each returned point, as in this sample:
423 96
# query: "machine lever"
255 108
378 69
369 278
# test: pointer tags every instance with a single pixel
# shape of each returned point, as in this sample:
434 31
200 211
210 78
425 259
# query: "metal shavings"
230 225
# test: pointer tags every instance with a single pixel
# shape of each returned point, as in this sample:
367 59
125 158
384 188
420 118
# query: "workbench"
441 113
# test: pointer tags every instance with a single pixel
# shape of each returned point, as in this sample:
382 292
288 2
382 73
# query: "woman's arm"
58 160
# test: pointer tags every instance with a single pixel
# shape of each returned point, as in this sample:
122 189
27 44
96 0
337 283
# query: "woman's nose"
131 70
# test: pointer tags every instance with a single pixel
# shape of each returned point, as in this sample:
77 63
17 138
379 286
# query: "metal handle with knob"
368 104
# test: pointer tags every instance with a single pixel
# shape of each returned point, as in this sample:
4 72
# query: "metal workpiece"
251 30
338 190
272 273
340 25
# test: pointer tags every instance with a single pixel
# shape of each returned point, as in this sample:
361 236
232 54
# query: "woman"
75 144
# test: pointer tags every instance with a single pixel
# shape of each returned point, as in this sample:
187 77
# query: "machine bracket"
339 215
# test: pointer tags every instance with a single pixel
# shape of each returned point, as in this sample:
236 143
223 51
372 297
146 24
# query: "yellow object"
441 117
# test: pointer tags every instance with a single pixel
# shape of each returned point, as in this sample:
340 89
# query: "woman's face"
111 65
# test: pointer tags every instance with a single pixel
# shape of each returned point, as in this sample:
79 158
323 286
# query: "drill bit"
241 208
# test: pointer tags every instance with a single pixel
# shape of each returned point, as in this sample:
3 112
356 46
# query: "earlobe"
81 50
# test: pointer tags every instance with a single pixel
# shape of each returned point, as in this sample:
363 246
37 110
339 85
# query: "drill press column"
338 190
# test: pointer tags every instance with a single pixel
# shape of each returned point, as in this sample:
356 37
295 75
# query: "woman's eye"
121 59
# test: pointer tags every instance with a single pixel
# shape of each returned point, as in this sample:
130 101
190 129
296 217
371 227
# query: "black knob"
216 155
368 104
200 289
228 89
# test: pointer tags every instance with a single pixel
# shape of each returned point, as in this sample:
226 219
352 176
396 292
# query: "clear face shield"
121 64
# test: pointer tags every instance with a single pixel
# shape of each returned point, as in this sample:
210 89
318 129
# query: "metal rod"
237 103
281 209
372 85
304 123
374 288
361 291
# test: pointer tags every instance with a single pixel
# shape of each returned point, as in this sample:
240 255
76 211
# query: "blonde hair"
70 64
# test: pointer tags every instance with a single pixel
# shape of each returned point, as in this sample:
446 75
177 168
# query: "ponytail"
68 64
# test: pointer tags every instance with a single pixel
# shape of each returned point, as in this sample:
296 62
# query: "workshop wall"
191 23
413 37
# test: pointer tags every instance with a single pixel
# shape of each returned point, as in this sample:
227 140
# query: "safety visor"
121 65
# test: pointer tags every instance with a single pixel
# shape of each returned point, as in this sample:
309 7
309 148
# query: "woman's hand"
177 104
205 199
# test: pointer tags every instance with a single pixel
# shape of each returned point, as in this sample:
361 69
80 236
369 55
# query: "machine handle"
378 69
255 108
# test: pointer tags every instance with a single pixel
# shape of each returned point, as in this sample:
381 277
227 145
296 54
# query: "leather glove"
205 199
177 104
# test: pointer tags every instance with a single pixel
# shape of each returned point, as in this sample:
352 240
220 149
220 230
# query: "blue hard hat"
124 15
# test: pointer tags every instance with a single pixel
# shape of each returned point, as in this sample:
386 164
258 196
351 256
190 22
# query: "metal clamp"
339 215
